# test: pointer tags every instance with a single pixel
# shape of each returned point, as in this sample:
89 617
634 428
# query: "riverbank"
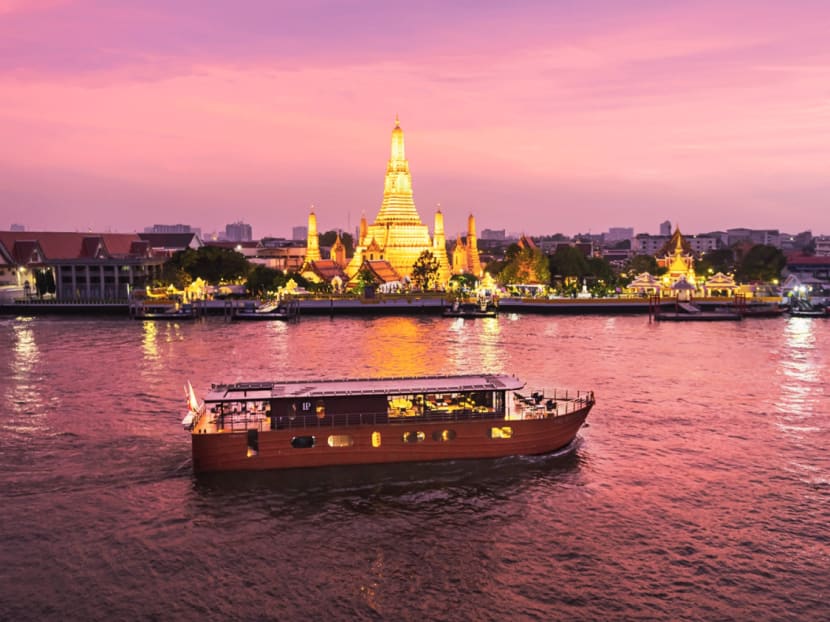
391 305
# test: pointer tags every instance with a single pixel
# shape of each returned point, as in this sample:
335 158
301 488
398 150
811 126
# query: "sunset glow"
541 117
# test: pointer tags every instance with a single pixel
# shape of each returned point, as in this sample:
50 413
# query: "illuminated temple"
398 237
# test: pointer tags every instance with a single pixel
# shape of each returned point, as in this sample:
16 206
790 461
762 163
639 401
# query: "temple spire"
312 252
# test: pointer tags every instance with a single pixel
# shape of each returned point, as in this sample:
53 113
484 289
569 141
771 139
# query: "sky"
537 117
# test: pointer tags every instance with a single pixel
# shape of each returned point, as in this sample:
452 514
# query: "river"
700 489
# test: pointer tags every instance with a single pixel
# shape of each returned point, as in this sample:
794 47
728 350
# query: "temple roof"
670 247
383 271
326 269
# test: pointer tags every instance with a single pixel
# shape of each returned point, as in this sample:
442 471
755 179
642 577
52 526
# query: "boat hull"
470 440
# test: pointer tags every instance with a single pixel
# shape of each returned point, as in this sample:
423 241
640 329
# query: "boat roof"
362 386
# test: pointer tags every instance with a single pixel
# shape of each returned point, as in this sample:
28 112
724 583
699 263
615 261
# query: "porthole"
375 439
303 442
443 435
414 437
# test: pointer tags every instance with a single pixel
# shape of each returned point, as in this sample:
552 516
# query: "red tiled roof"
68 245
383 270
327 269
807 260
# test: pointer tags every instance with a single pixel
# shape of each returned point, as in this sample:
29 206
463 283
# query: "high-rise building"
179 228
493 234
238 232
299 233
618 234
665 228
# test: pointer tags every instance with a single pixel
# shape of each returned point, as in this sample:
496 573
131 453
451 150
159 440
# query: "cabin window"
375 439
414 437
405 405
443 435
502 432
340 440
482 402
303 442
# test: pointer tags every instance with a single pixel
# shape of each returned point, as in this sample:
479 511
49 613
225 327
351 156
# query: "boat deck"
524 409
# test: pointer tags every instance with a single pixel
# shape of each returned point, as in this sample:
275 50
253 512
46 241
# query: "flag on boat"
190 395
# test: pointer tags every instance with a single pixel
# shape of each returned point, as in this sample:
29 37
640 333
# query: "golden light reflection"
397 346
801 390
25 348
27 405
151 351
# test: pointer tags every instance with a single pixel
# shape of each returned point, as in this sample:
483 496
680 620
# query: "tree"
526 265
761 263
263 279
425 271
211 263
365 278
644 263
569 262
330 237
720 260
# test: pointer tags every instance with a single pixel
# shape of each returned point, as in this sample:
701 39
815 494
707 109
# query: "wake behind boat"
311 423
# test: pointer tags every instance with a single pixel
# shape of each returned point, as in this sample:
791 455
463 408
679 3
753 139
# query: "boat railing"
564 403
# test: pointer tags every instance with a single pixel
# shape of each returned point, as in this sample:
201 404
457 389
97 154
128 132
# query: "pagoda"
677 258
398 236
465 256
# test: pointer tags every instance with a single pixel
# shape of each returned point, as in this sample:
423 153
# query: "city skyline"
539 117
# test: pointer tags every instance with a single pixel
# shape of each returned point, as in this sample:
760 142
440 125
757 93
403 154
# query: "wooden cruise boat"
312 423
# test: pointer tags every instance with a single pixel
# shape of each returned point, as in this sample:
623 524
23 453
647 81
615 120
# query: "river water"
700 489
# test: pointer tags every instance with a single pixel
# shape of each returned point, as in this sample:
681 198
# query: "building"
17 228
647 244
166 244
398 236
299 233
665 228
77 266
493 234
238 232
465 256
676 256
822 243
172 229
768 237
618 234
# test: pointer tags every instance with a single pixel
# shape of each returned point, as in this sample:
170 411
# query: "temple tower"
439 247
338 252
312 247
398 233
473 260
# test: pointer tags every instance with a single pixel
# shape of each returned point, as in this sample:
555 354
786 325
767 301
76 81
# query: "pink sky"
539 117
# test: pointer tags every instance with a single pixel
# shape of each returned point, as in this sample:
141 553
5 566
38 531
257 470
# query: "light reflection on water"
698 491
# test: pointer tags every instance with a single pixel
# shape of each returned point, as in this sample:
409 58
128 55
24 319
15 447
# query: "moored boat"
164 311
470 310
274 311
311 423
